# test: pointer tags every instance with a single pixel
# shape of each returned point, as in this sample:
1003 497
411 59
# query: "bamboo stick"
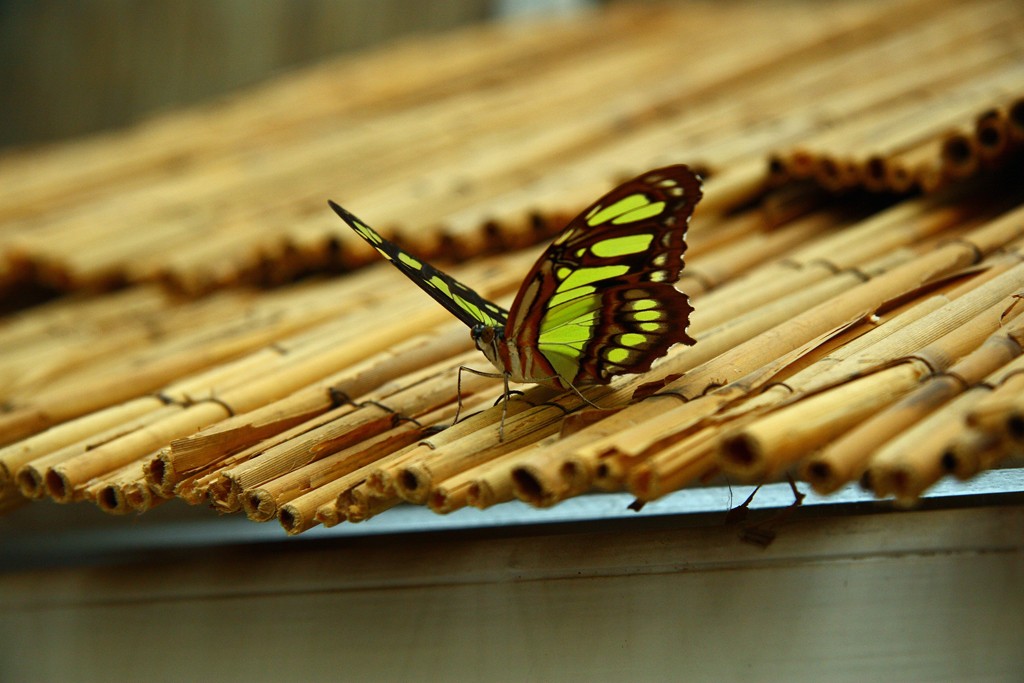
320 504
244 429
368 420
441 457
263 502
195 488
971 450
765 448
483 485
14 457
906 466
65 480
1002 411
31 476
846 457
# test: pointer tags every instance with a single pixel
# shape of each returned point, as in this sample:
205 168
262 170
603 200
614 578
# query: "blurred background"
73 67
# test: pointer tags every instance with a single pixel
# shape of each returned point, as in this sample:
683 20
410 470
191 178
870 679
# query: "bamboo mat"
868 333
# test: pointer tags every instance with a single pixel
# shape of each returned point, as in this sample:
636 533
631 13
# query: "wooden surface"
922 596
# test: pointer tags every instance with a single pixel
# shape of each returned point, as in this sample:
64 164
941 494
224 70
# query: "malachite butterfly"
599 302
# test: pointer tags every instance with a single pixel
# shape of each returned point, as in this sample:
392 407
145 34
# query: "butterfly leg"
492 375
504 409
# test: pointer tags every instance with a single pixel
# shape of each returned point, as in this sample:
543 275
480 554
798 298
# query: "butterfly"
599 302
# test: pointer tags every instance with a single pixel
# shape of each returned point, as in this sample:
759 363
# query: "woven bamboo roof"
855 267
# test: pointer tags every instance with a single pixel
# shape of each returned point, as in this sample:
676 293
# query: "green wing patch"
603 301
460 300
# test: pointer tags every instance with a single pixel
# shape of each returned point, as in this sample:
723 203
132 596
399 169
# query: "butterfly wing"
601 300
460 300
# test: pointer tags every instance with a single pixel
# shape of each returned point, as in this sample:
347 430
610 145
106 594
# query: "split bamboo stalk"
196 488
896 334
359 508
921 323
853 304
884 232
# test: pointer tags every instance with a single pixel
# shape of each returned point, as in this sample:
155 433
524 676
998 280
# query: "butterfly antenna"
504 409
458 395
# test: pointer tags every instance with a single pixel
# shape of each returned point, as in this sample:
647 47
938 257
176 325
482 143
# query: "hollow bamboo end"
31 483
223 496
741 454
529 487
413 483
59 487
111 500
160 474
991 136
821 475
294 521
259 505
959 155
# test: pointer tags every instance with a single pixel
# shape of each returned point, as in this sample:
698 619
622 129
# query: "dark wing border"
425 275
664 258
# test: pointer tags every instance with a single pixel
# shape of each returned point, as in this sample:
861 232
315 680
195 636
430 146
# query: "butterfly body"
599 302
